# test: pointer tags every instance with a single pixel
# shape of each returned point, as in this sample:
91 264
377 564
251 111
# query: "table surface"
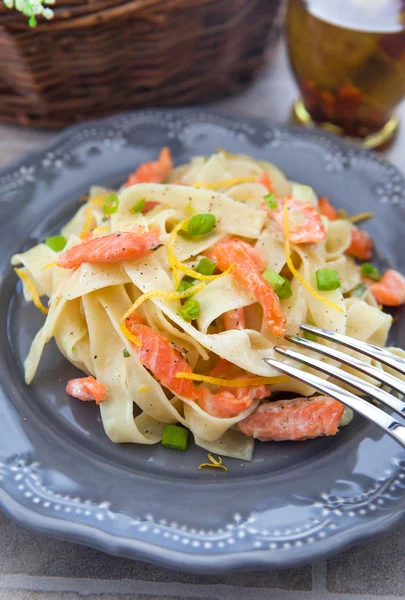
33 567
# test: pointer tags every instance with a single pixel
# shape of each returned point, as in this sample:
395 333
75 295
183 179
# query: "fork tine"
368 388
367 410
384 356
355 363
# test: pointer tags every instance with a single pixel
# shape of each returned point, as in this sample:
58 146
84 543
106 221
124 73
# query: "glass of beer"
348 58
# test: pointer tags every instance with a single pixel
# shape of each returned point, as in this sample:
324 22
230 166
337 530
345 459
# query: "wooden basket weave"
98 57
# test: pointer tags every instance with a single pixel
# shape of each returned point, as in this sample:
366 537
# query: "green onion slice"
206 266
270 200
200 224
56 242
184 284
110 205
175 437
369 271
138 206
310 336
280 284
190 310
327 279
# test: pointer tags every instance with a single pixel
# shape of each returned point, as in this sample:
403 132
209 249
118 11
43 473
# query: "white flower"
31 8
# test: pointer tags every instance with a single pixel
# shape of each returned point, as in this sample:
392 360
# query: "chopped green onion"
175 437
310 336
184 285
110 205
206 266
359 290
104 219
200 224
271 201
126 353
190 310
327 279
370 272
56 242
32 22
138 206
280 284
206 158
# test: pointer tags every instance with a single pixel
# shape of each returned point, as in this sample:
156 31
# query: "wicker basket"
103 56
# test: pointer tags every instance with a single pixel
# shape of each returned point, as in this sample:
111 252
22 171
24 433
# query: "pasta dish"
170 292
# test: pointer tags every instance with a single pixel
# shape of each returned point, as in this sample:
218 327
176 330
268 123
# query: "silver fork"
363 407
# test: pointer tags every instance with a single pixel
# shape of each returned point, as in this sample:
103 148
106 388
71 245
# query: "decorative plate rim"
27 475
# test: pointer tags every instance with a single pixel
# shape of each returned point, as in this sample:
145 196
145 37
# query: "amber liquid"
348 57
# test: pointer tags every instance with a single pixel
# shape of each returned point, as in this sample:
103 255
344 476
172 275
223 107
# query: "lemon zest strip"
52 264
171 257
177 265
224 184
294 271
100 229
130 336
155 294
214 463
361 217
96 201
32 290
233 383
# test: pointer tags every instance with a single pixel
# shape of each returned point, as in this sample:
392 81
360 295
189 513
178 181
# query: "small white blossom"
31 8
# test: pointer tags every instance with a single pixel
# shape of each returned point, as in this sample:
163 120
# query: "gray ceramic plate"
60 474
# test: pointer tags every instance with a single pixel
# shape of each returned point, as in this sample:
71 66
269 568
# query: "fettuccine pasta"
169 292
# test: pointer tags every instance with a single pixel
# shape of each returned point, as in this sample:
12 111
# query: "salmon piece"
232 251
390 290
87 388
230 402
305 223
265 180
161 358
326 209
115 247
234 319
149 205
294 420
361 245
223 368
156 171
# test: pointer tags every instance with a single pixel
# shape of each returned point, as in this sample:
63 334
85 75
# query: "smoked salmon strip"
326 209
390 290
232 251
265 180
115 247
87 388
156 171
226 403
295 420
234 319
361 245
159 356
305 223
